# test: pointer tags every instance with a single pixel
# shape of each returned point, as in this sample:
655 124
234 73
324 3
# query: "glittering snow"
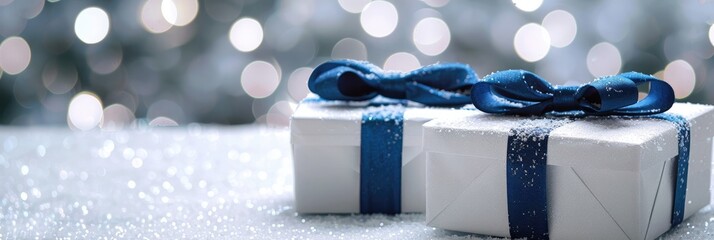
190 182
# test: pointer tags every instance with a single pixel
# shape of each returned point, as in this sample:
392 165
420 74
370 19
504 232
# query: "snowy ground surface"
196 182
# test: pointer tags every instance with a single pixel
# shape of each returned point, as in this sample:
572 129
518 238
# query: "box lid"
339 123
601 142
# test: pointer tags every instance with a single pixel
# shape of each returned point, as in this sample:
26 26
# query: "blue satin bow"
351 80
522 92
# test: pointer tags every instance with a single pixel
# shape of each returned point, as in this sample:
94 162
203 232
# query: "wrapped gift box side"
325 138
607 176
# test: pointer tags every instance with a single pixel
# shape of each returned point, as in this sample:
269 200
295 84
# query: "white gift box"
607 177
325 138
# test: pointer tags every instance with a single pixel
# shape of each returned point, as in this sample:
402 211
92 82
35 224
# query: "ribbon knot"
522 92
436 85
564 98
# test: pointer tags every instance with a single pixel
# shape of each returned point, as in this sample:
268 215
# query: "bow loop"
524 93
350 80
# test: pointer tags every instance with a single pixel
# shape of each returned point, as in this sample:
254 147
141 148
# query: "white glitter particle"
23 196
137 162
128 153
41 150
24 170
131 184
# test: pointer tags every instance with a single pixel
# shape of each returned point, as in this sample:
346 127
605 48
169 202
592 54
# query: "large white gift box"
325 138
607 177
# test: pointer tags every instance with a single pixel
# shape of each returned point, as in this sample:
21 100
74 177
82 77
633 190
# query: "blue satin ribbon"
434 85
526 163
524 93
381 158
680 181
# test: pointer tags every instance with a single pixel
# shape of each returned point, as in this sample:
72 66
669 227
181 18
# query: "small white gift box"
325 138
607 177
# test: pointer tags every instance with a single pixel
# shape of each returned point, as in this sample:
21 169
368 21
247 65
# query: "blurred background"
118 64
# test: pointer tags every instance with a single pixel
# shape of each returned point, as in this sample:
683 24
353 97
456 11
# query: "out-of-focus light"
104 60
91 25
179 12
436 3
680 75
279 114
353 6
297 83
246 34
527 5
59 77
379 18
166 108
431 36
604 59
33 8
163 122
85 111
532 42
401 61
15 55
117 117
296 13
259 79
349 48
152 18
169 11
711 34
561 27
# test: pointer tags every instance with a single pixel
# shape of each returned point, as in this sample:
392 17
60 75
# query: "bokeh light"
163 122
85 111
15 55
349 48
680 75
180 12
91 25
152 18
246 34
166 108
711 34
532 42
401 61
431 36
105 59
260 79
297 83
279 114
436 3
604 59
561 27
169 11
353 6
527 5
185 60
379 18
117 117
59 77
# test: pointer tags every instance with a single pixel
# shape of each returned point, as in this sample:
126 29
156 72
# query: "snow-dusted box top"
339 122
590 141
